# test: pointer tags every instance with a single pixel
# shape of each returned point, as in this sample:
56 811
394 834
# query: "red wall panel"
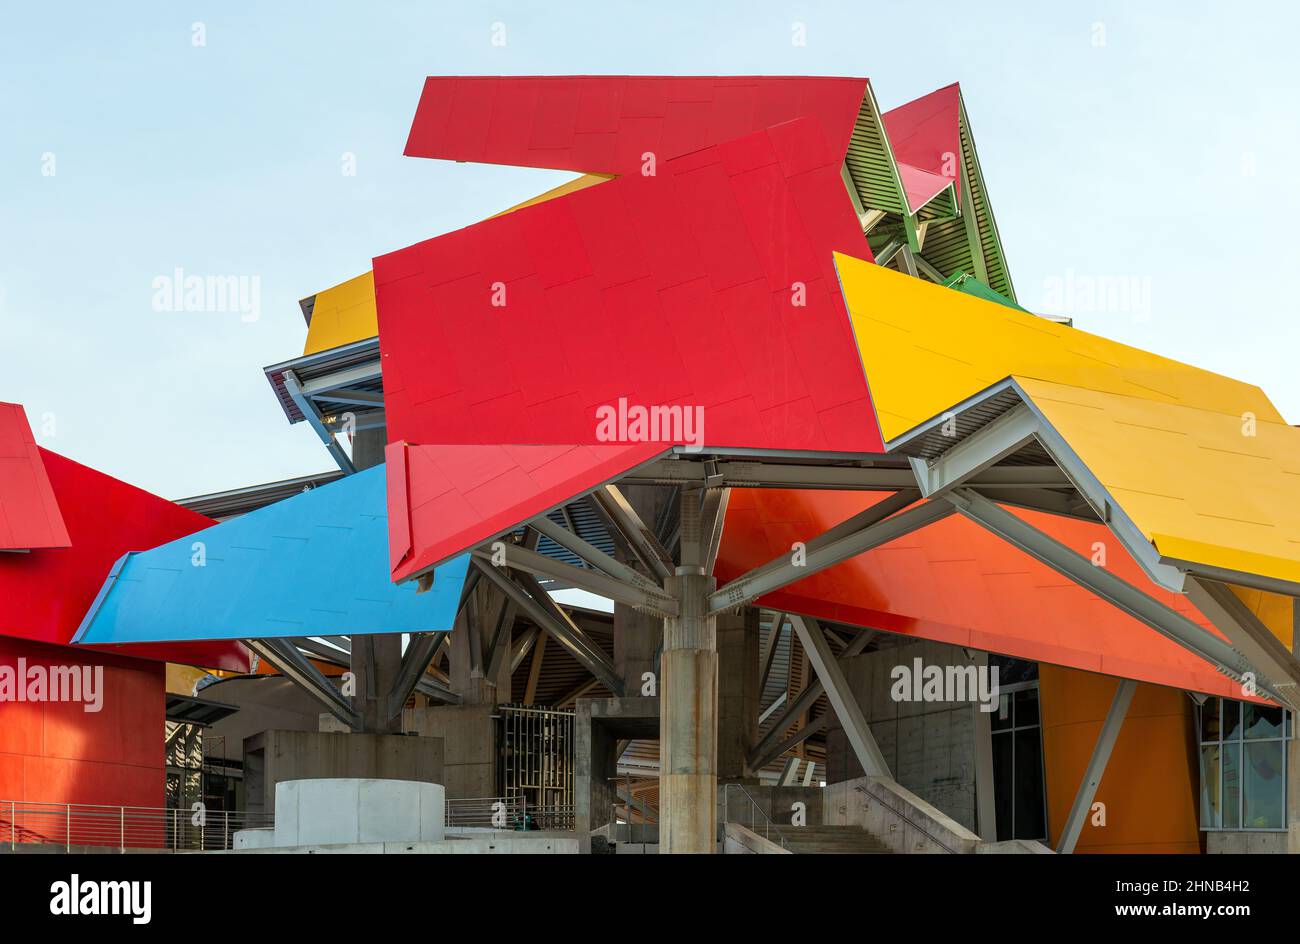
57 752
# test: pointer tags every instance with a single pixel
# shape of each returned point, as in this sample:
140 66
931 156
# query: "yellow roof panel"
343 314
926 348
1202 486
1203 465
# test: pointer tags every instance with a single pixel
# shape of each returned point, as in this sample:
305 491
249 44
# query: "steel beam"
1106 585
336 653
522 646
1096 766
713 515
769 651
419 652
979 451
284 655
639 597
1244 630
789 568
312 415
841 697
593 555
768 748
366 372
640 539
533 601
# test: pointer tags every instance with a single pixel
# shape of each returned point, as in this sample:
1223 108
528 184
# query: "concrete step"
832 840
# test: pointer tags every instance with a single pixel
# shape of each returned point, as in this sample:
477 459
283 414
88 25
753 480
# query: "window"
1019 797
1243 765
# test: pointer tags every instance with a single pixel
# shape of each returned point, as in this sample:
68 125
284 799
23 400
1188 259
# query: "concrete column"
688 721
467 672
376 660
738 695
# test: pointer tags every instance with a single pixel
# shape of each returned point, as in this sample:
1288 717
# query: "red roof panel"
29 514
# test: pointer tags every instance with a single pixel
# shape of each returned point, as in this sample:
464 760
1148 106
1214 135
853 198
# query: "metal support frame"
284 655
977 452
770 747
533 601
522 646
841 697
872 478
876 526
638 597
591 554
713 515
309 411
1103 583
1096 766
419 652
640 539
769 651
1244 630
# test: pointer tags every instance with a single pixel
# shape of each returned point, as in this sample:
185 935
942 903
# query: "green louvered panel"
942 207
870 162
999 279
946 247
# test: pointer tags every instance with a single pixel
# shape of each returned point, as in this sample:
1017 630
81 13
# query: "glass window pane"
1026 707
1262 791
1231 720
1030 822
1210 720
1004 784
1263 721
1002 717
1210 786
1231 786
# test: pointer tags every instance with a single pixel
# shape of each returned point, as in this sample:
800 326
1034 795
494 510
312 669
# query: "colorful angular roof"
310 565
994 598
45 593
723 255
1203 465
608 124
29 513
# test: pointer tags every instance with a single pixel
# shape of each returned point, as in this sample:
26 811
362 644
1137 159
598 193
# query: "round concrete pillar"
688 721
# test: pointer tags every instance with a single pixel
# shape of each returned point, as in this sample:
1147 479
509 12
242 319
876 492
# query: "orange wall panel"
1150 784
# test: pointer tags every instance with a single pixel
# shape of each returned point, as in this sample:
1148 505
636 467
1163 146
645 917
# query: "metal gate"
535 773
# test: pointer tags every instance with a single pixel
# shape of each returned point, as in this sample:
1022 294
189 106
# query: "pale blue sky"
1124 141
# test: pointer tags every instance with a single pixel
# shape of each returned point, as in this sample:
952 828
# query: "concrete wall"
598 725
929 746
468 735
272 757
896 816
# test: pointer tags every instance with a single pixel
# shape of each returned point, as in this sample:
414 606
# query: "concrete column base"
688 705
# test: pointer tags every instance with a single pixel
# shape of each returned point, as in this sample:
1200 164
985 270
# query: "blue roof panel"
315 564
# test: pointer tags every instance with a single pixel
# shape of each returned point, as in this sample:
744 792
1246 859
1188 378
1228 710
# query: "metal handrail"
122 827
908 820
485 813
768 822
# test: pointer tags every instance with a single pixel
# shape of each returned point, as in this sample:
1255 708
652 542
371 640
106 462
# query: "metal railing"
754 808
899 814
122 827
506 813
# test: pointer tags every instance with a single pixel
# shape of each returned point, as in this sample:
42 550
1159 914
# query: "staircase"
832 840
